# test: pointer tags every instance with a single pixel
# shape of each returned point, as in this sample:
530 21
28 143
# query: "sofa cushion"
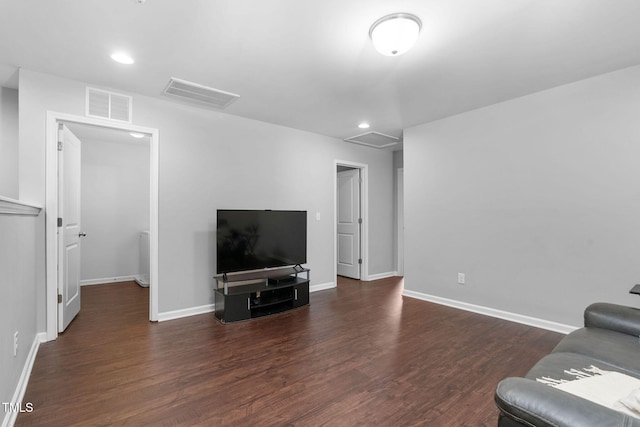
618 350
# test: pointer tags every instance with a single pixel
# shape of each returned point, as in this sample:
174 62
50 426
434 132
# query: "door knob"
82 234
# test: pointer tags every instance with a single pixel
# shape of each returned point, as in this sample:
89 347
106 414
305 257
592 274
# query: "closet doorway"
148 204
115 191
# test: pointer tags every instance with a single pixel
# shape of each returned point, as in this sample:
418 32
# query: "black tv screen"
253 239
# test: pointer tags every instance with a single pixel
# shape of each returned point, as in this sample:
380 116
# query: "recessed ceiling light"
394 34
122 58
137 134
363 125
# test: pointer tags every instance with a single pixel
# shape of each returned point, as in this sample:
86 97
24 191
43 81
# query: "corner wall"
536 200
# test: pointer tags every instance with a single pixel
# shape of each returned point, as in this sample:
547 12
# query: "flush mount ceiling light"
122 58
137 135
363 125
394 34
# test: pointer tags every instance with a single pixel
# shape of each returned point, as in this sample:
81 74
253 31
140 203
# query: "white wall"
8 142
115 207
536 199
18 248
211 160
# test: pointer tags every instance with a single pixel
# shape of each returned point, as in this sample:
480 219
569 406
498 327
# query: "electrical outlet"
461 278
15 344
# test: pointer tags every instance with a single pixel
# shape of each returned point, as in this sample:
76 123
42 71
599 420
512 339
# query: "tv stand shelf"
244 296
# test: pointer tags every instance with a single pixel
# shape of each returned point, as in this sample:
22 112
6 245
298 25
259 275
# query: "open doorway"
53 205
114 202
103 210
114 206
350 220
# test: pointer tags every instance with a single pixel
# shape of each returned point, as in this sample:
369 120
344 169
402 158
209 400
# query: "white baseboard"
11 416
322 286
487 311
379 276
177 314
104 280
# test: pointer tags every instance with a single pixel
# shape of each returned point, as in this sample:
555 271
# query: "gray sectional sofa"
609 341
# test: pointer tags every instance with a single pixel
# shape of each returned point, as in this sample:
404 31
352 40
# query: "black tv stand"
244 296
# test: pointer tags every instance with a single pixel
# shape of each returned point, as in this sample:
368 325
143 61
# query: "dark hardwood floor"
361 354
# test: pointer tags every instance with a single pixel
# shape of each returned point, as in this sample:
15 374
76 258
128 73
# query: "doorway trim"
364 212
51 210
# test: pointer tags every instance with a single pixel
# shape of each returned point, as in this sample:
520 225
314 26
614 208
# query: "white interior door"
349 221
69 231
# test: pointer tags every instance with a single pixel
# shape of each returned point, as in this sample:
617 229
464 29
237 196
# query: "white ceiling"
310 64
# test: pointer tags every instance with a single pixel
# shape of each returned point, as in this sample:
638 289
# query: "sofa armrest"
614 317
531 403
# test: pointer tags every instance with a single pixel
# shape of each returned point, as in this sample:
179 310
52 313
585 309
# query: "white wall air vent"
108 105
374 139
203 95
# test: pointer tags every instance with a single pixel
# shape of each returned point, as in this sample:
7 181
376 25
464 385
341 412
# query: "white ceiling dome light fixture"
394 34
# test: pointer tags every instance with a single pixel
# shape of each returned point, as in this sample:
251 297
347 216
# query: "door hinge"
60 136
359 260
59 222
59 298
359 220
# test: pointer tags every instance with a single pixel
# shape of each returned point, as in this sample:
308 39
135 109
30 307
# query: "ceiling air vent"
374 139
203 95
108 105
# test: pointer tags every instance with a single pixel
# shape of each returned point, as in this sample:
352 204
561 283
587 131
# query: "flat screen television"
259 239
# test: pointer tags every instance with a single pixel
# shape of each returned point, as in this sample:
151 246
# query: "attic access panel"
203 95
374 139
